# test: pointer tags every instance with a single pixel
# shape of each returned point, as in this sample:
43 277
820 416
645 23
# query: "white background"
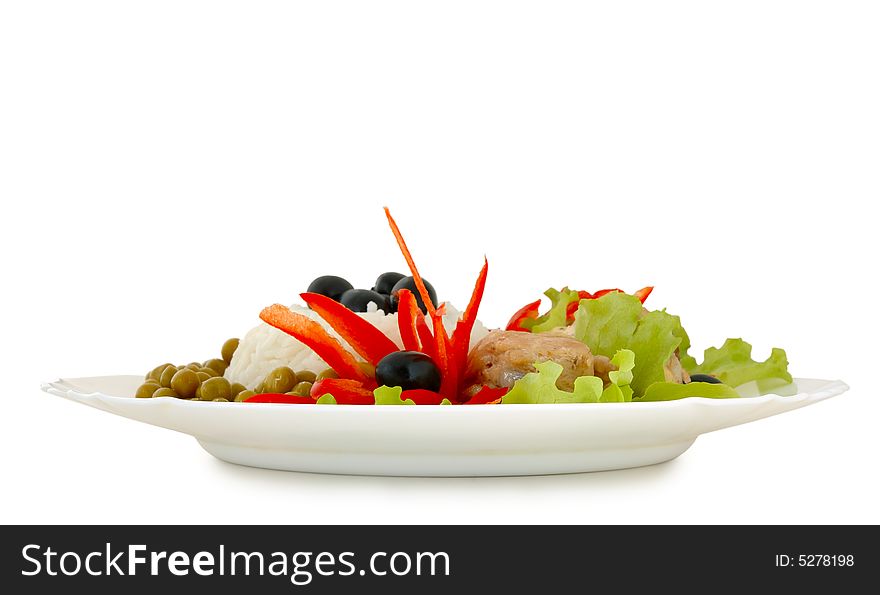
169 168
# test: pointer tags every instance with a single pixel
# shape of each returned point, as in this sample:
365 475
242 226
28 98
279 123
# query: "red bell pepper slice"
487 396
317 339
346 392
602 292
449 382
280 398
425 336
461 336
573 306
529 311
420 285
408 314
421 396
643 293
368 341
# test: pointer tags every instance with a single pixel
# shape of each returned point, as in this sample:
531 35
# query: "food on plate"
397 344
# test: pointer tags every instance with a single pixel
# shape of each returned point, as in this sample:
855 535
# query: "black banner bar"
429 559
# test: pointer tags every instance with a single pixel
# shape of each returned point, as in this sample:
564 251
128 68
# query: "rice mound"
265 348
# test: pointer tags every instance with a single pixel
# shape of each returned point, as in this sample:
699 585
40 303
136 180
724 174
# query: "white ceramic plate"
441 440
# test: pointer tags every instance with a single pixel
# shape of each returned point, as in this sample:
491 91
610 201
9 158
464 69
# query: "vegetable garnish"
567 300
488 396
527 312
450 354
420 396
344 391
423 291
408 314
540 387
312 334
426 338
368 341
461 336
732 363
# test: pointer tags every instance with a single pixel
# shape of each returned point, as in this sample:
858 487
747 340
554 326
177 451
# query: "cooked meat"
601 366
674 372
503 357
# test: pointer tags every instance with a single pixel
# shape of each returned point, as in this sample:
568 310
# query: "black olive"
410 283
385 282
408 370
330 285
704 378
356 300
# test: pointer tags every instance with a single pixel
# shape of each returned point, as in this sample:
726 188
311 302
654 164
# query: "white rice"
265 348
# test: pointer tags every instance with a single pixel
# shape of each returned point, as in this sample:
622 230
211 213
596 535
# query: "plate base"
469 464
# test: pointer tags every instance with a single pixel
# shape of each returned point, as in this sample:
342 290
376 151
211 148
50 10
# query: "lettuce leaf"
732 363
616 321
670 391
390 395
619 391
540 387
556 317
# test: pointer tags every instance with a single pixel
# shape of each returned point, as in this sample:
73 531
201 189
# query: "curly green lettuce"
556 316
732 364
617 321
390 395
670 391
540 387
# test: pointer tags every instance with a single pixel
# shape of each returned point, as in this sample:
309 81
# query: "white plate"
441 440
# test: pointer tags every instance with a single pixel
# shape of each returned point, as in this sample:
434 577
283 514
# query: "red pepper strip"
420 285
425 336
602 292
449 384
421 396
370 343
573 306
317 339
346 392
488 396
643 293
280 398
526 312
461 337
407 315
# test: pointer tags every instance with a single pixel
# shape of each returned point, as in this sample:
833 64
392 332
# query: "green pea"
164 392
280 380
236 388
228 350
202 376
167 374
146 390
185 382
194 366
244 396
218 365
215 388
156 373
368 368
328 373
220 400
302 389
209 371
306 376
